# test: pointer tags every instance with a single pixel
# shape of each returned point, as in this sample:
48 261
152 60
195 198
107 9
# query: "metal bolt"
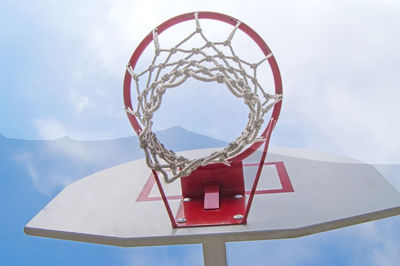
238 217
238 196
186 199
181 220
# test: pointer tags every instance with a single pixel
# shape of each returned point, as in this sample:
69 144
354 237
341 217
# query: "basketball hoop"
205 62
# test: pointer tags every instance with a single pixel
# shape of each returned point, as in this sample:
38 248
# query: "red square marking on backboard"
280 168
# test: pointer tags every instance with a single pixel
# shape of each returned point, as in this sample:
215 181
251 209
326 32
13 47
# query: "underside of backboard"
300 192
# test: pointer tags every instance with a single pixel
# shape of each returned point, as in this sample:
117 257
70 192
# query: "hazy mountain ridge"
52 164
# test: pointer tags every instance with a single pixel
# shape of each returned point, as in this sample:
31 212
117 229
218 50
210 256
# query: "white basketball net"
205 63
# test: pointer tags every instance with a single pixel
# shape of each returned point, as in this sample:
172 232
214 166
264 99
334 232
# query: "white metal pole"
214 253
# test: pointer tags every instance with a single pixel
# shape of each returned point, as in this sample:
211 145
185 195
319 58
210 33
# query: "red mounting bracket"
212 195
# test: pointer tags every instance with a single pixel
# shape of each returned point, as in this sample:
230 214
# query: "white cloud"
48 165
338 73
391 173
79 101
338 61
44 182
373 243
387 255
277 252
25 158
49 128
164 255
339 78
383 235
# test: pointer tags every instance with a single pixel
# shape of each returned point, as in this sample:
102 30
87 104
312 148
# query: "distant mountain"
180 139
52 164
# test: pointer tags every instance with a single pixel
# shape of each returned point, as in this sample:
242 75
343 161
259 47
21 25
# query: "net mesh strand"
206 63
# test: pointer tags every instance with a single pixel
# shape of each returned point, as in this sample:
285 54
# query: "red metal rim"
215 16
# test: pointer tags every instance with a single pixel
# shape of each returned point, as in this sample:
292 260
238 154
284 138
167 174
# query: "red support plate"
212 195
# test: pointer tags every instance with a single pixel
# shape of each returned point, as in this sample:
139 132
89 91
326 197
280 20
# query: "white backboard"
121 205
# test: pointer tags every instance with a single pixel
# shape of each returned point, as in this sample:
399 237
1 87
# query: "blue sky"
62 65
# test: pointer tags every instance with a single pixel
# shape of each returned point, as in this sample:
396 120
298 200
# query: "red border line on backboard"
283 178
144 195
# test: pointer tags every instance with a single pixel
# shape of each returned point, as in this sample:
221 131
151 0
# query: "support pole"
214 253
